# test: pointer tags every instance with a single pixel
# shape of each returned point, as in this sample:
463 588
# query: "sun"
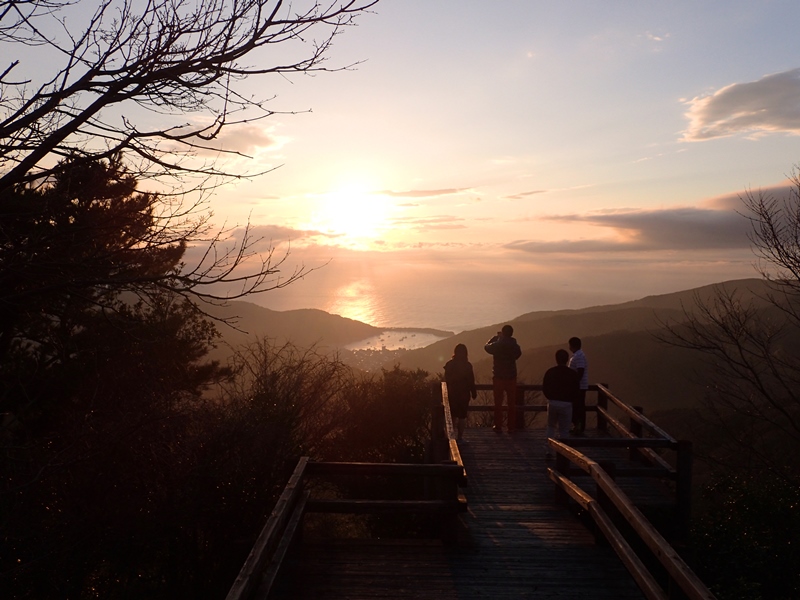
353 211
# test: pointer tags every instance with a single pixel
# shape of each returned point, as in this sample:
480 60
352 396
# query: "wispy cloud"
262 239
681 229
435 222
733 202
771 104
522 195
423 193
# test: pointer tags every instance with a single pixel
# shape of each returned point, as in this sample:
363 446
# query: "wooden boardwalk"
516 543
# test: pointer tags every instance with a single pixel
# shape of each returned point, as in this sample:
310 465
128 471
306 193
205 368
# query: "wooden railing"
445 474
641 428
441 483
641 437
644 440
523 394
682 582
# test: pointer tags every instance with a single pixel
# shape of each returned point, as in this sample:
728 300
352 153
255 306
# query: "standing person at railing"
561 387
505 352
579 363
460 380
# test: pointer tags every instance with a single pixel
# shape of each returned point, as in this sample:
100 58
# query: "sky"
484 160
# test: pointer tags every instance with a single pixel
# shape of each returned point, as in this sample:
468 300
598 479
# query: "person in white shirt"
579 363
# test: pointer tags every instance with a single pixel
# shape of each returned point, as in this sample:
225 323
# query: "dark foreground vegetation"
159 494
131 466
134 467
747 427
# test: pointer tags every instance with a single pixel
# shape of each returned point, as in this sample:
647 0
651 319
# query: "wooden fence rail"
643 439
264 562
442 479
678 571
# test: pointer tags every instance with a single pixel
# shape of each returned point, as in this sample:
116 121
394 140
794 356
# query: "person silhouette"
460 380
561 387
505 351
579 363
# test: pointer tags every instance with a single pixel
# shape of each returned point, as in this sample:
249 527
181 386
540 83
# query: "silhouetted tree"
388 417
102 358
82 250
749 431
96 447
82 79
753 347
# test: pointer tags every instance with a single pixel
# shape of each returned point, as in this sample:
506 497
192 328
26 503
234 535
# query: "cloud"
423 193
655 38
264 242
262 238
734 202
568 246
436 222
681 229
522 195
771 104
247 140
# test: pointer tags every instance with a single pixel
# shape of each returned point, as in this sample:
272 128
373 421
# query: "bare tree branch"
175 58
751 348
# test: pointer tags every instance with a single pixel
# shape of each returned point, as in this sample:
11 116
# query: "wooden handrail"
635 414
250 574
265 559
632 562
648 453
274 566
677 569
455 453
449 430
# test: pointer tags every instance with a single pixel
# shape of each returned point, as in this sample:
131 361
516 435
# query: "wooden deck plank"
516 543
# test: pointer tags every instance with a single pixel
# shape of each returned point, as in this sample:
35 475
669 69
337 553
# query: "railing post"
636 429
683 487
562 467
602 402
519 401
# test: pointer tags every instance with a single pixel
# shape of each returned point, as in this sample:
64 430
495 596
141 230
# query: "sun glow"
354 212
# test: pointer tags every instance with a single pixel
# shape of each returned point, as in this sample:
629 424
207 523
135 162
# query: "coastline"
426 330
400 338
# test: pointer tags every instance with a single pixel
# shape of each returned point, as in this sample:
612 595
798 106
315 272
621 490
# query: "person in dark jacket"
505 352
460 380
561 387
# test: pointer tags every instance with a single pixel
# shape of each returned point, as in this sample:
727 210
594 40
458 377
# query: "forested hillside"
245 322
622 343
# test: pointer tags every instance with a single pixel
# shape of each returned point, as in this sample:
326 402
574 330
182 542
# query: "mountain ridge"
620 341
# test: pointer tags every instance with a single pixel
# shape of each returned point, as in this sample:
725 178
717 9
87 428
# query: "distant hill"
619 341
303 327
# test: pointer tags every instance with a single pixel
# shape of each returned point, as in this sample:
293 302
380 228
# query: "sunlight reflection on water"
362 302
358 301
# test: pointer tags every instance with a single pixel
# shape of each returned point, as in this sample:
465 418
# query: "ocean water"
455 306
443 297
